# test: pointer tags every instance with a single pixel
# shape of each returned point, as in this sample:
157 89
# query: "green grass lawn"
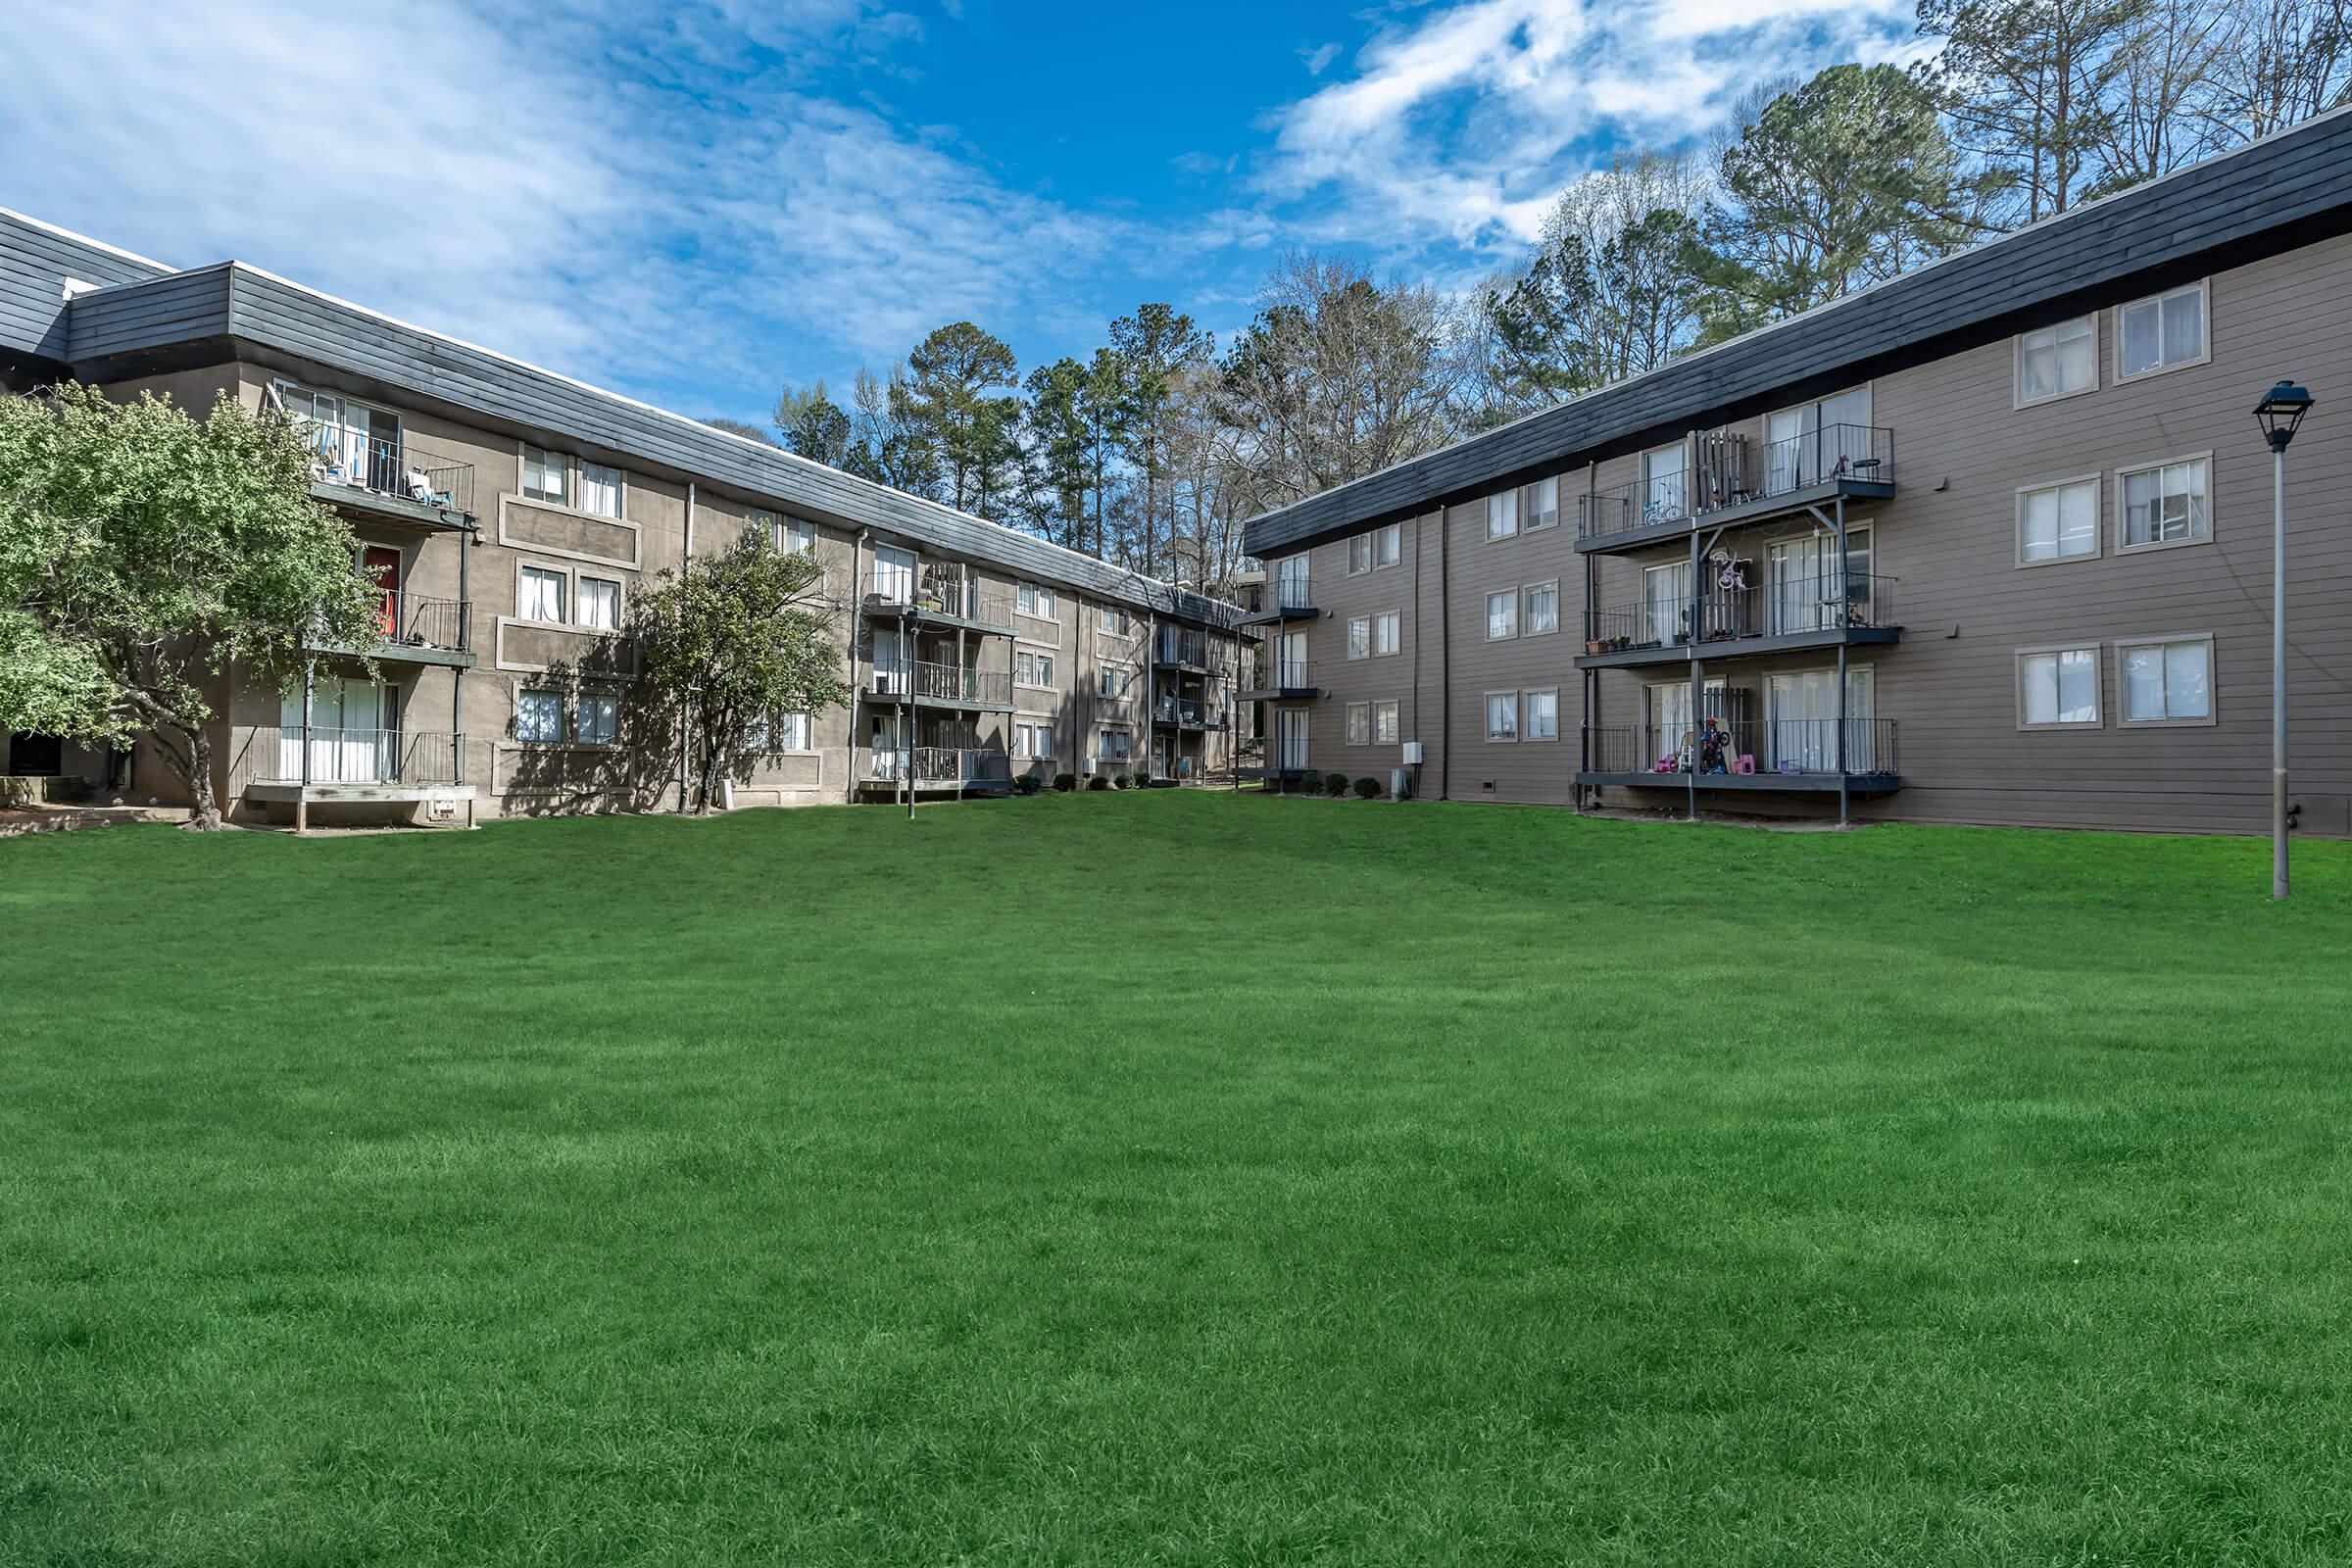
1173 1178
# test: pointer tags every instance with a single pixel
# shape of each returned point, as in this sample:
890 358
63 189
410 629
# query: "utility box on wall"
1412 754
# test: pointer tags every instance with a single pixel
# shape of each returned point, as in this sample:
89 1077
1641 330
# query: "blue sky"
694 202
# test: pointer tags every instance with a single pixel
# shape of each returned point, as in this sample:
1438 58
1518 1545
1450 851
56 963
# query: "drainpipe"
1446 665
457 676
849 652
685 725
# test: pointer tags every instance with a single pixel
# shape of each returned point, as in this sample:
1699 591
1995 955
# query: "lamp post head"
2280 412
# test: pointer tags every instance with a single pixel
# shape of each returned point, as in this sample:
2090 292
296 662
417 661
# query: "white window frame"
1102 739
1125 674
1527 509
1527 716
1359 723
1680 451
2204 288
1504 506
1041 603
525 698
608 477
549 459
605 702
2123 696
1527 612
2098 530
1387 546
1509 598
1041 662
1027 735
2098 677
1359 649
796 536
1389 622
1385 728
789 727
2017 361
579 600
523 571
1360 555
1493 737
2122 504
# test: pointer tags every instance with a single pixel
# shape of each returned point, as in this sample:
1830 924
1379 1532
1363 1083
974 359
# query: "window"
1033 670
1543 716
1388 632
1359 637
1542 608
1503 716
1502 614
1359 723
1033 740
2165 505
1113 745
2058 688
1502 514
2161 332
789 733
796 537
599 604
1665 483
600 489
1360 555
544 475
1289 584
2058 522
1033 599
1383 723
1116 679
1540 504
1388 544
539 596
599 721
2166 682
2057 361
1114 620
539 717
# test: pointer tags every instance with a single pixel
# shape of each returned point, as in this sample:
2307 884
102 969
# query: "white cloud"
1455 131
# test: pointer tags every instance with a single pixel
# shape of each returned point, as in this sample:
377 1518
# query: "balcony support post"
301 797
1699 679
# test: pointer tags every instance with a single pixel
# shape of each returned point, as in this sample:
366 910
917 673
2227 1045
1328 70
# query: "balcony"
1786 754
1287 598
388 478
320 763
935 685
1740 483
1190 712
944 768
417 629
1788 616
1284 681
1181 648
938 595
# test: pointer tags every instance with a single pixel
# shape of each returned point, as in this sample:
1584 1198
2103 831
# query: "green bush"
1335 785
1098 782
1367 789
1122 781
1029 784
1065 782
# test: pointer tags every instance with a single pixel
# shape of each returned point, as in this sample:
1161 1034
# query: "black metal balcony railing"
1782 608
938 764
385 466
420 621
939 591
338 755
1179 646
1291 592
949 683
1800 747
1191 710
1277 673
1737 475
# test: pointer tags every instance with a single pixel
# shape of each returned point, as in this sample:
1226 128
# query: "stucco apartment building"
1988 543
514 514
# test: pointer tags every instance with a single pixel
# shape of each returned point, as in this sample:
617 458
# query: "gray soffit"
146 322
2284 191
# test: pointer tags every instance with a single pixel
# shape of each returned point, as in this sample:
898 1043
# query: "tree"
1055 471
946 401
143 552
1830 187
2026 85
1339 375
1609 292
885 446
740 639
1155 345
1103 407
736 427
2283 62
813 425
2160 112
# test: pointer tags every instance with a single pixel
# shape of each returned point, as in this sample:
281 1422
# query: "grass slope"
1179 1178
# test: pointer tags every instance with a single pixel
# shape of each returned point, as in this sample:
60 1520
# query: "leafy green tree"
742 637
957 400
1155 346
1108 409
813 425
143 552
1055 471
1833 186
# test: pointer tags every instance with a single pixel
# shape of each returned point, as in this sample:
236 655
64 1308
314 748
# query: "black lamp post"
2279 414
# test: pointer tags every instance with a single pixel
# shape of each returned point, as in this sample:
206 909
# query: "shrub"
1098 782
1029 784
1065 782
1335 785
1367 789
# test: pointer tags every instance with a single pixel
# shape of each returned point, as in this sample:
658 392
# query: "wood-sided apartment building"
511 515
1989 542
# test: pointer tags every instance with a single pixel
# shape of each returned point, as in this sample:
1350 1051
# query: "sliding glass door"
1803 720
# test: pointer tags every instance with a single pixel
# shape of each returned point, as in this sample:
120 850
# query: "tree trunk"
197 768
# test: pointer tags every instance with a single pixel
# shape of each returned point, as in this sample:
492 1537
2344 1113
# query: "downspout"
685 724
1445 641
849 655
1418 639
